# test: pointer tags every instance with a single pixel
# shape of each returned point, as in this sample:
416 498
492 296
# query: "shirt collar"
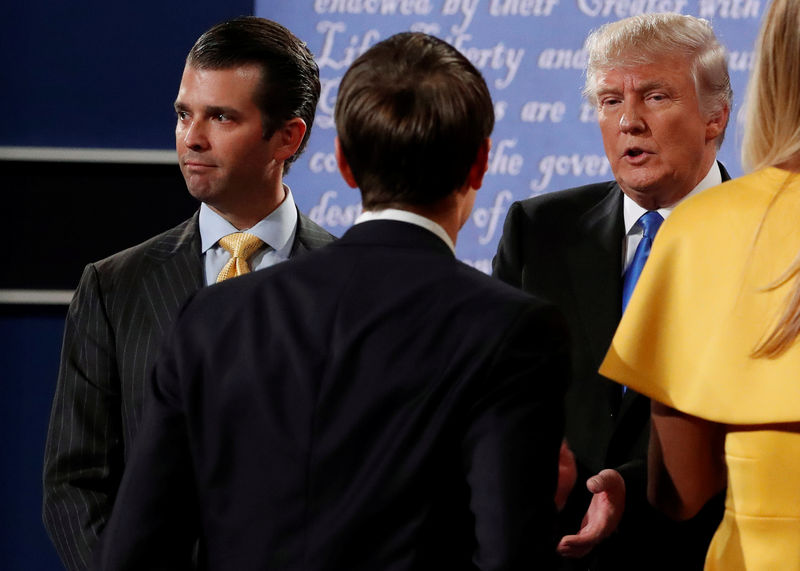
410 217
633 211
276 229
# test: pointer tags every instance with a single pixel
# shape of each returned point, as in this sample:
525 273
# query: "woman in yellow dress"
710 333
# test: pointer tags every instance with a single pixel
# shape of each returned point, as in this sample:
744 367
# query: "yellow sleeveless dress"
701 306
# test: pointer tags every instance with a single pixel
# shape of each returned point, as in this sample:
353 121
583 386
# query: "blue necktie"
650 222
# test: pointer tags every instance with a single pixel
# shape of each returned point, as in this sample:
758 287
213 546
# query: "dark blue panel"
92 74
29 349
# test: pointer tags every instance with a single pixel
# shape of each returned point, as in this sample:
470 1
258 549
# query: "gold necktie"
240 246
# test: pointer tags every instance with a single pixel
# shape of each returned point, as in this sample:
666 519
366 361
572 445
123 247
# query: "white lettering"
541 111
323 162
466 7
500 108
489 217
563 165
733 9
551 58
588 113
348 54
522 7
741 61
498 57
382 7
625 8
333 215
430 28
500 162
329 88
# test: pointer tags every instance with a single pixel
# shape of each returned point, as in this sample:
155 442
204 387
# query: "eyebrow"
647 85
220 110
651 84
209 109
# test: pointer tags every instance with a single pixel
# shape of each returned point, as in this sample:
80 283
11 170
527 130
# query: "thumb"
603 481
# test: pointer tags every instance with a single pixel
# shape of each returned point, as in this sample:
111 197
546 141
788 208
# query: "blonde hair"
649 38
772 138
772 111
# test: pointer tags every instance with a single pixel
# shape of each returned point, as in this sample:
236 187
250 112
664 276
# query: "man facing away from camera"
375 404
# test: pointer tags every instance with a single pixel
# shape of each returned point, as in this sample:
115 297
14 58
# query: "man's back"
373 405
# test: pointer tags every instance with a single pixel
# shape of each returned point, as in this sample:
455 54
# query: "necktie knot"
650 222
240 245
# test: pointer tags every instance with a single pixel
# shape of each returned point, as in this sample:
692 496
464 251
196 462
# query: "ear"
288 138
715 125
480 166
344 168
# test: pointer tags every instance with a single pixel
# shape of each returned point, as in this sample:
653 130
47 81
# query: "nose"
194 136
631 120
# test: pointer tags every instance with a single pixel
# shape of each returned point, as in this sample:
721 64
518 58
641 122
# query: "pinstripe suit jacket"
121 311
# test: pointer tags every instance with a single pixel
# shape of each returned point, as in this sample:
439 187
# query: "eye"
182 115
610 101
221 117
657 97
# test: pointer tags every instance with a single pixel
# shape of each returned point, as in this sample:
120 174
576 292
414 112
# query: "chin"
203 194
643 195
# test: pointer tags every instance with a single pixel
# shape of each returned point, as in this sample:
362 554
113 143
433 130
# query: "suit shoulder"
157 247
489 290
311 234
557 212
496 305
578 198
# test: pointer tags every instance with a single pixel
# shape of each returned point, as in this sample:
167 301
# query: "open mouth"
633 152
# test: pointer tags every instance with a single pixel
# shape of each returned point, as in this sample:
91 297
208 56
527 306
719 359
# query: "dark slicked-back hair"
411 115
289 75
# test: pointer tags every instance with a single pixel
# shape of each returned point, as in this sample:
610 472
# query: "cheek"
609 128
610 138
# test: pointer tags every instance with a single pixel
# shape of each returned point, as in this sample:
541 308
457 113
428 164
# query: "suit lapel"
724 172
308 236
176 272
595 265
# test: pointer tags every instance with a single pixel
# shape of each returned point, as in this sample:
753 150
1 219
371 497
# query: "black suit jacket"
123 307
375 405
567 247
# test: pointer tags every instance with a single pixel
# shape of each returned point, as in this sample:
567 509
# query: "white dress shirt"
277 230
632 212
411 218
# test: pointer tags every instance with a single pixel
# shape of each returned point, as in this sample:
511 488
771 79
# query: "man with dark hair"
244 111
375 404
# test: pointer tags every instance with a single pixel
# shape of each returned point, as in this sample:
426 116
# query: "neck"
251 209
792 164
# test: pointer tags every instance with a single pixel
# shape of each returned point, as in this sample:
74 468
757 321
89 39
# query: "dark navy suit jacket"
375 404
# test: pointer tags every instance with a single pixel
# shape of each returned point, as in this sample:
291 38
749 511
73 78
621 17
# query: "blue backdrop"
530 52
90 74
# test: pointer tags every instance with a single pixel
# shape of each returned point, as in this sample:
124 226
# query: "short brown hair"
411 115
290 84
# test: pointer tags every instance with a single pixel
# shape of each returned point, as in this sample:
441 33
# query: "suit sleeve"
84 452
155 521
507 262
511 446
